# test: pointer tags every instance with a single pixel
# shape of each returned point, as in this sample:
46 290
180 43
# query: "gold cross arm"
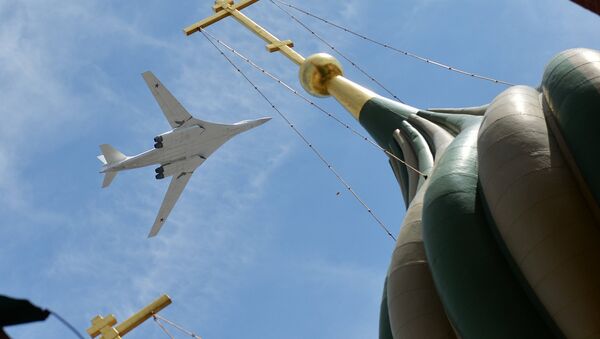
225 8
218 16
275 46
99 323
104 326
143 315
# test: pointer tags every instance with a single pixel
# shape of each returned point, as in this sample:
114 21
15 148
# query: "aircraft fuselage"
179 144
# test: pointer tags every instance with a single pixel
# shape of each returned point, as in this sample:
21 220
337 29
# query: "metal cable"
406 53
312 103
310 145
66 323
162 327
338 52
179 327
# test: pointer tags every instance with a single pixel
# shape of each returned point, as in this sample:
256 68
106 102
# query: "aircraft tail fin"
108 178
110 155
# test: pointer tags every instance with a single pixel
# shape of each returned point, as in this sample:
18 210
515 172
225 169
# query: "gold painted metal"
225 8
274 47
218 8
321 75
350 94
316 71
109 333
99 323
104 326
144 314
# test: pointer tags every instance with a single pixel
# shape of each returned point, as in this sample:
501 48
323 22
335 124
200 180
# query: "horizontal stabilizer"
101 158
108 178
110 155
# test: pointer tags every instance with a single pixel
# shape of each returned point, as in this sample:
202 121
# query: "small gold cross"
104 326
99 323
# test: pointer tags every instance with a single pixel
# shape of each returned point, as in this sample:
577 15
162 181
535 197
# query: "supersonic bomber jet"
178 152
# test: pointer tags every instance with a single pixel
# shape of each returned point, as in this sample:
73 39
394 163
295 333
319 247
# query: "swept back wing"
178 183
175 188
175 113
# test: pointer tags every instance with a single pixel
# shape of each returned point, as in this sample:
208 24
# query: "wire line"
337 51
178 327
306 141
66 323
312 103
390 47
162 327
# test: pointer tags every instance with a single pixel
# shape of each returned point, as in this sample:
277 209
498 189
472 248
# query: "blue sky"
260 244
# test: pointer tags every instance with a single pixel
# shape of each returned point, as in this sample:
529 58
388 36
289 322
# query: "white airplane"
177 152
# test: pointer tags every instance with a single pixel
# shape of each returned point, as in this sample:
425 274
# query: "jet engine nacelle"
170 169
177 136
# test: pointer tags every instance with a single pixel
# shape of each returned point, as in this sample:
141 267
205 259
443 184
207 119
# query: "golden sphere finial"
316 71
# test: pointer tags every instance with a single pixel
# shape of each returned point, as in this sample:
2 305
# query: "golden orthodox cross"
320 74
225 8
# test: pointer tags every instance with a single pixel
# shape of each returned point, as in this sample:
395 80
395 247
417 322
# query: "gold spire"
320 75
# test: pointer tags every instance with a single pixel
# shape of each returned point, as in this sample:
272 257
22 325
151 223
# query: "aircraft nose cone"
262 120
254 123
245 125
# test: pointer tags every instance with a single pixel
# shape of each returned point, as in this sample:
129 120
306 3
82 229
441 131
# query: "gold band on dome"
322 75
350 94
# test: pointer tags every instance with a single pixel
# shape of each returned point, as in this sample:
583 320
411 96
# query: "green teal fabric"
482 297
454 123
540 308
571 86
422 150
403 190
381 117
402 173
438 138
385 329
